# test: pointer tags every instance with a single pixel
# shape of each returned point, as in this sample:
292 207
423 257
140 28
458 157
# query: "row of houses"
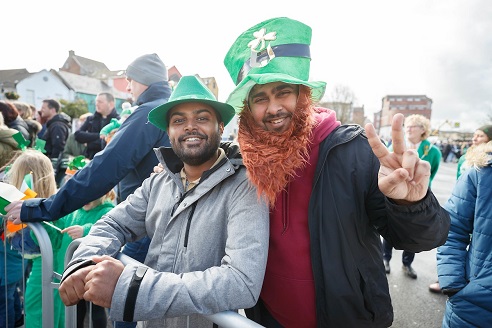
79 78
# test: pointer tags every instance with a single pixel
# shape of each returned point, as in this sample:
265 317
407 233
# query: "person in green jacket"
72 226
61 233
417 130
39 166
77 225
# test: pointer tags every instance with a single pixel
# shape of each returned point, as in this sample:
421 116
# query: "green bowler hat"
189 89
276 50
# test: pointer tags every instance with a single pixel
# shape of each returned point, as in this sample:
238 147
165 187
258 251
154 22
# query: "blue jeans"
10 298
138 251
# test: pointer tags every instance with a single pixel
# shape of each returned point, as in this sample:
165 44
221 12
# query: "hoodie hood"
479 156
60 117
6 137
326 122
158 90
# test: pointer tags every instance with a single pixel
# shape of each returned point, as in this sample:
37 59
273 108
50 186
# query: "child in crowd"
43 183
110 129
76 225
61 233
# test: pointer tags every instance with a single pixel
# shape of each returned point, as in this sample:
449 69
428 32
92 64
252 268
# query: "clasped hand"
94 283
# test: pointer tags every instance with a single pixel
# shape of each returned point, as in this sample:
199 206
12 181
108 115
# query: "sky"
438 48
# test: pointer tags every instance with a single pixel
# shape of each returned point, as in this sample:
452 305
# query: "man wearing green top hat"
333 190
208 229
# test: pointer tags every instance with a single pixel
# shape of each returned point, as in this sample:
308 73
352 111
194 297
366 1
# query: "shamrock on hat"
275 50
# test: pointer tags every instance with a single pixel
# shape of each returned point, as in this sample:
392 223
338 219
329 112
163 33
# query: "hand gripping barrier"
226 319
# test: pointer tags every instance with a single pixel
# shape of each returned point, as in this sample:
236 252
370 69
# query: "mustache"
194 134
276 116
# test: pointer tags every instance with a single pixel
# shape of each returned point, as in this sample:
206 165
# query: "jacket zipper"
188 224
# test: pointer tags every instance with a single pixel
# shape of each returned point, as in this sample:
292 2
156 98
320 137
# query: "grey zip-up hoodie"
208 250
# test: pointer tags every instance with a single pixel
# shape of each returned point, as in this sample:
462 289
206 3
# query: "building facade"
405 104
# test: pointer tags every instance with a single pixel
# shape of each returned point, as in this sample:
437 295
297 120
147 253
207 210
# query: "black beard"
197 156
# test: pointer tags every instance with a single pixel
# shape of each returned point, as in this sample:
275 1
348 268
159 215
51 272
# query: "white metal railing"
47 273
226 319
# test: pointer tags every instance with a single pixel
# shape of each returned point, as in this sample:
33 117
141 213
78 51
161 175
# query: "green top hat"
276 50
189 89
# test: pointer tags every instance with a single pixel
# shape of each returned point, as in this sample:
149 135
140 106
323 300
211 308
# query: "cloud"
460 70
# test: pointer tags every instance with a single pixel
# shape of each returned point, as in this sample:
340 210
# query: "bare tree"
342 100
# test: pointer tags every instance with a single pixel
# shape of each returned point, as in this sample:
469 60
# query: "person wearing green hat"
208 228
333 190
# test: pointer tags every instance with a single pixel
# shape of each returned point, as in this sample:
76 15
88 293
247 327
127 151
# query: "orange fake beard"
272 158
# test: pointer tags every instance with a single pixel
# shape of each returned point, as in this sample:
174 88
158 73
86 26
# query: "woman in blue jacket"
464 262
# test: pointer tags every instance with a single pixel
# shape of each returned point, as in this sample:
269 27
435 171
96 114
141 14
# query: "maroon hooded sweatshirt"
288 288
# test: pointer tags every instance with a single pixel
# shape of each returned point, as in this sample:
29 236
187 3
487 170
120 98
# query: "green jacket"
460 168
430 153
33 299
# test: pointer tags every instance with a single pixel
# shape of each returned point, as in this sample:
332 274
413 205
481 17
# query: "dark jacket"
127 161
88 133
57 131
20 125
34 127
347 215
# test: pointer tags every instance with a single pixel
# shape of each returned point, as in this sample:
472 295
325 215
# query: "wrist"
131 297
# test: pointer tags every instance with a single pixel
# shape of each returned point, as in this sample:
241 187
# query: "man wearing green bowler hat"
208 229
333 190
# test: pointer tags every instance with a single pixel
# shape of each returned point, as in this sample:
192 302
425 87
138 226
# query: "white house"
43 85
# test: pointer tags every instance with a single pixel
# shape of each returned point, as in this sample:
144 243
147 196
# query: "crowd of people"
452 150
294 222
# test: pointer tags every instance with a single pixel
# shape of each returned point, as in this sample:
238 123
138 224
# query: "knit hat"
276 50
487 129
189 89
147 69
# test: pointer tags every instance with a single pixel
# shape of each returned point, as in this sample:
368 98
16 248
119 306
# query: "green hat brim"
242 90
158 115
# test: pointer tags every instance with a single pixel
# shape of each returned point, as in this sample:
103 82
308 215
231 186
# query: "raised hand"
75 231
403 176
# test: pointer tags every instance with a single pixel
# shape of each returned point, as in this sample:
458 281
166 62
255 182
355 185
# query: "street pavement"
414 306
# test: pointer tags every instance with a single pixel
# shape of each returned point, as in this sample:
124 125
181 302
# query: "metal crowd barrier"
226 319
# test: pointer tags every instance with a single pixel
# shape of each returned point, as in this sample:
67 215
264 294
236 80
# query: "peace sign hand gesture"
403 176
